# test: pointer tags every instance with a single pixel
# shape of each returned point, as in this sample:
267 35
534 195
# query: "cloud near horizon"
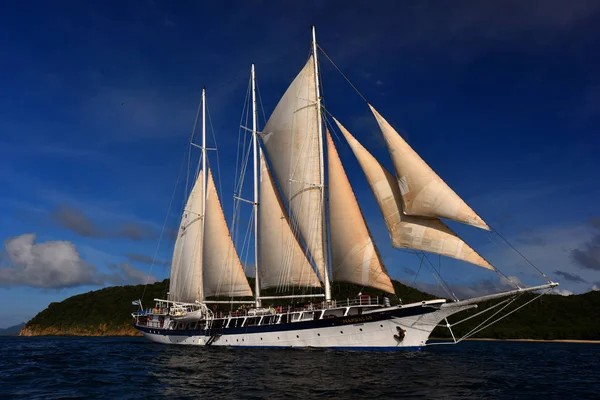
78 222
588 256
56 265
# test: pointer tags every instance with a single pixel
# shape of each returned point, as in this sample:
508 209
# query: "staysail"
407 231
186 268
223 273
423 192
282 260
292 143
354 255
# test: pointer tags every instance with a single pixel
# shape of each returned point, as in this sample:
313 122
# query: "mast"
323 198
203 165
255 157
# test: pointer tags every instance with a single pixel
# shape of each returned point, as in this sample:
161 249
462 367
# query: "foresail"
354 255
406 231
423 192
186 268
223 273
292 143
283 263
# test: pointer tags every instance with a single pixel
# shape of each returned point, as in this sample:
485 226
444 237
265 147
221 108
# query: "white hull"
367 335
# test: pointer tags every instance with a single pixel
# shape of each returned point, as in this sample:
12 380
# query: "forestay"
186 268
354 254
406 231
282 260
223 273
292 143
423 192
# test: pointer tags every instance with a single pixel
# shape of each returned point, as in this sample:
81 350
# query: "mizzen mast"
322 162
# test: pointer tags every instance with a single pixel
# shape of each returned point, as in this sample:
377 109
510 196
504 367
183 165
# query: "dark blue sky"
501 98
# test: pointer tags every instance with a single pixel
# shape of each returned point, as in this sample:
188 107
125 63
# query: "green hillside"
108 312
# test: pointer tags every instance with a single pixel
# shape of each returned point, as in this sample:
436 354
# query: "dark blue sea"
133 368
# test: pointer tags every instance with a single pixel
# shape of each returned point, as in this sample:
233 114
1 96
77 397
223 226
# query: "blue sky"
502 99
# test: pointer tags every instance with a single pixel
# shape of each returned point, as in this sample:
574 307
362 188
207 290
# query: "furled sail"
292 143
423 192
282 260
407 231
223 273
354 255
186 268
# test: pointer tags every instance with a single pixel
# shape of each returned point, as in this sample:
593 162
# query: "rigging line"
343 75
216 151
504 316
476 329
521 254
261 104
496 270
185 193
410 288
440 280
164 225
244 108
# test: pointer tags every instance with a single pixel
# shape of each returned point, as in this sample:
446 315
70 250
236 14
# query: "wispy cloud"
588 255
144 259
78 222
570 277
56 265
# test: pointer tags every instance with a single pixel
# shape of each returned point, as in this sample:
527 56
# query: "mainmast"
255 157
204 173
323 198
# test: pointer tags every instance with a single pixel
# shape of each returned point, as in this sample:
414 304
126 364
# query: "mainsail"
186 268
423 192
282 260
407 231
354 255
292 143
223 273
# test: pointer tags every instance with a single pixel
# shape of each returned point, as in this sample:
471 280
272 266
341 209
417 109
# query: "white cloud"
562 292
55 264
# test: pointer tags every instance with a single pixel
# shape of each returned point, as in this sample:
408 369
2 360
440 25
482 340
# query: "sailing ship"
308 230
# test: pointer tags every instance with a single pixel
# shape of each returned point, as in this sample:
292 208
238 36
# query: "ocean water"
133 368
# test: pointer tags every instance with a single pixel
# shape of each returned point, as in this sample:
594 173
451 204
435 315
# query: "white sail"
282 260
423 192
223 273
407 231
186 269
292 144
354 255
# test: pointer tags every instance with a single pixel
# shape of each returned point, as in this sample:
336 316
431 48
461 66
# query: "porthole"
342 332
260 338
318 334
381 326
298 336
277 337
242 340
361 329
237 340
